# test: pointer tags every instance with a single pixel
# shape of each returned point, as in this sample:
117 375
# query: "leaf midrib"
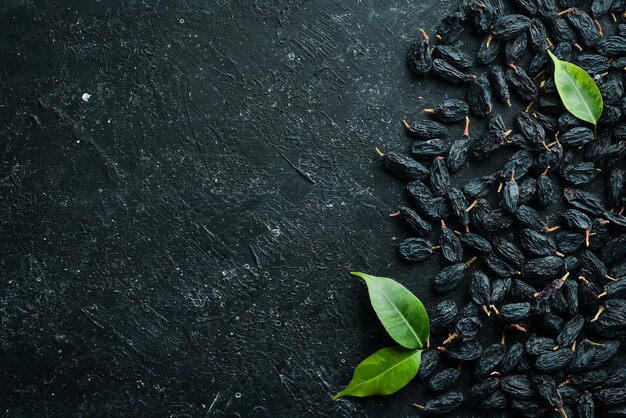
419 341
383 372
589 112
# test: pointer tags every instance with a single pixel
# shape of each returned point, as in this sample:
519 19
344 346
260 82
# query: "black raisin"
450 110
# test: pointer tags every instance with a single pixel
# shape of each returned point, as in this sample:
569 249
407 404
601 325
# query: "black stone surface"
178 243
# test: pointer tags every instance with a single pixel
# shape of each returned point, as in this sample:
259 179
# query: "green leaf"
400 311
383 373
578 91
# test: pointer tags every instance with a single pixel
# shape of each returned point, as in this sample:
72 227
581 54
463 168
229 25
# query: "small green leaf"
400 311
383 373
578 91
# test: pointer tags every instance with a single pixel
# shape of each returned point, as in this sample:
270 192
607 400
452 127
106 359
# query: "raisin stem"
600 310
599 26
484 308
394 214
552 228
529 106
429 110
603 294
518 327
470 261
451 337
380 154
466 131
564 12
406 124
425 35
471 206
587 232
582 279
493 307
419 406
559 254
489 39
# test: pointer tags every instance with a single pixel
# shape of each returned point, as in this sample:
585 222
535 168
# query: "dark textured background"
180 243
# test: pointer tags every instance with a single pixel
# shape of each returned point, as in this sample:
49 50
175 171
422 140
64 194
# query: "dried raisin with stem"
476 242
459 150
415 222
443 404
419 57
522 84
402 167
449 72
426 129
450 110
450 244
479 96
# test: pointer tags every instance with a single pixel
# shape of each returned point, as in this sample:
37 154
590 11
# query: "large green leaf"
400 311
383 373
578 91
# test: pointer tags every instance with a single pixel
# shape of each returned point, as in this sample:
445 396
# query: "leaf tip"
337 396
358 274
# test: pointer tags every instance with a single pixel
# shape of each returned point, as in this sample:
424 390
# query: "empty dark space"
184 189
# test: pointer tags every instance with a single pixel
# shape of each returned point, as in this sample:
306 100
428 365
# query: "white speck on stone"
86 97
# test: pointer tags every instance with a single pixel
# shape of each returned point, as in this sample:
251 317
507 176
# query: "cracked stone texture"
185 187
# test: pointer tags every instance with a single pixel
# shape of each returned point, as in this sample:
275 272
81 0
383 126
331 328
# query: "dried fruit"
537 243
449 277
539 270
499 84
439 177
403 167
415 222
554 360
443 315
522 84
426 129
450 73
428 363
415 249
489 361
450 110
510 26
462 350
419 57
583 25
444 379
611 396
513 312
479 96
517 386
443 404
450 28
429 148
450 244
459 150
454 56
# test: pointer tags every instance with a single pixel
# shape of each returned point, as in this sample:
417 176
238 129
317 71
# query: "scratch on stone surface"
301 173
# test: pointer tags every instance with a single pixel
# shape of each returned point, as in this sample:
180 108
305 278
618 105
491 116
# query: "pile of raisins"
541 243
